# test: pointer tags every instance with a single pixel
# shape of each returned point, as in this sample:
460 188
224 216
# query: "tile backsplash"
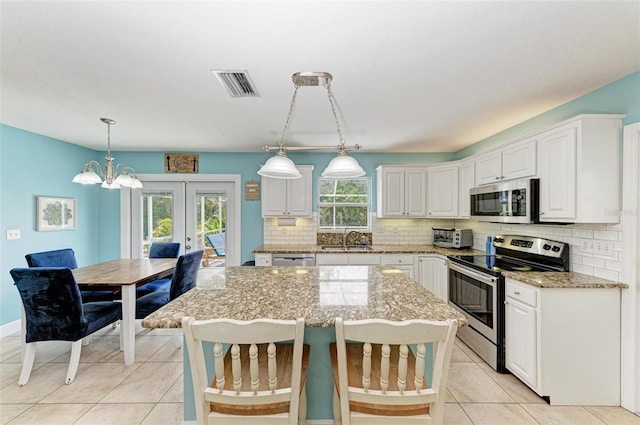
576 235
418 231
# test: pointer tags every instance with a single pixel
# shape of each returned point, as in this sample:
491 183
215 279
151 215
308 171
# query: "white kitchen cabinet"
564 343
466 181
344 259
401 191
432 275
263 259
404 262
288 197
442 191
515 161
521 332
579 170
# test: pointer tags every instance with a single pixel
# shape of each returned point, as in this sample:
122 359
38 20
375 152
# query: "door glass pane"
157 219
211 227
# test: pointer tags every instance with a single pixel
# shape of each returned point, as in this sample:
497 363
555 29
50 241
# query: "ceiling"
417 76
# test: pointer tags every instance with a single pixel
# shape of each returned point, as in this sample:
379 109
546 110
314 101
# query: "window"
343 203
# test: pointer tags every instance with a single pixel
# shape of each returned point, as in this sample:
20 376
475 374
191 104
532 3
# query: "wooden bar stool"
260 380
379 380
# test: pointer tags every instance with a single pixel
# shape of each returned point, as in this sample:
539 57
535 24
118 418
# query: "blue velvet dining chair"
54 311
184 278
67 258
164 250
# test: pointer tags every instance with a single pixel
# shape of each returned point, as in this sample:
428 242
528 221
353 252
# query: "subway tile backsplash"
603 266
418 231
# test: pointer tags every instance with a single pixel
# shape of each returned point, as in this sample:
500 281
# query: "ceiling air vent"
237 83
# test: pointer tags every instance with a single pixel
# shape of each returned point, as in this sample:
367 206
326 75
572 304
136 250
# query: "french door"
196 214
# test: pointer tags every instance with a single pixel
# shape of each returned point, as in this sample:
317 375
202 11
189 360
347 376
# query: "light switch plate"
13 234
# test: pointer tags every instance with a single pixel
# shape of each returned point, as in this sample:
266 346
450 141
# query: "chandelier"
92 173
342 166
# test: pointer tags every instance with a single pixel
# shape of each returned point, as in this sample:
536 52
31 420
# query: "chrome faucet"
345 237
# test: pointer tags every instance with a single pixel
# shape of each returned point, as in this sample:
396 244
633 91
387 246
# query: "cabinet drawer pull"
516 292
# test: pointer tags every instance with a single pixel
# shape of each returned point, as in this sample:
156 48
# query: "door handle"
188 247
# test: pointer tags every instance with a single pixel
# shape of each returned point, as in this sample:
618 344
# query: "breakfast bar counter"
319 294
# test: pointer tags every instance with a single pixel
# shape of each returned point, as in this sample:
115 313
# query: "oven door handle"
466 271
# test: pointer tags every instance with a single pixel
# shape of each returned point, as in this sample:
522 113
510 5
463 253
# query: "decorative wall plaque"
252 191
180 163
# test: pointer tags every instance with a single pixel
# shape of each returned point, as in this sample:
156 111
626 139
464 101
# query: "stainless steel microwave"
515 201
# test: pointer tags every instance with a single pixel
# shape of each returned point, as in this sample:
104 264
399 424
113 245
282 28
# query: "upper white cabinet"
401 191
442 191
288 197
514 161
579 170
466 180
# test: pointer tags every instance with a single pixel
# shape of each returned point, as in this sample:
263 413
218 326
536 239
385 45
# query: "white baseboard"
9 328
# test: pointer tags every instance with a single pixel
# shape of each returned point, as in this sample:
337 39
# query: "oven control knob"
556 249
546 247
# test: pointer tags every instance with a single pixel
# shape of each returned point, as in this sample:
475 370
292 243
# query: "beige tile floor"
149 392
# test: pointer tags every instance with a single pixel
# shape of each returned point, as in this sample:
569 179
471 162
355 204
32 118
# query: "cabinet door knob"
497 178
516 292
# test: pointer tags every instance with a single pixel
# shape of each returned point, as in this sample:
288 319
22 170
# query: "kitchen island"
319 294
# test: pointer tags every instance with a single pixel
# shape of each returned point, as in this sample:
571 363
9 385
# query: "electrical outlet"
13 234
597 247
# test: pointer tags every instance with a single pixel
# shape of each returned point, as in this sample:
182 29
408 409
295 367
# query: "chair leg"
337 414
302 406
177 337
23 333
27 363
74 361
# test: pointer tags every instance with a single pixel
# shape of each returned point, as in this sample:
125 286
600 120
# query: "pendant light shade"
280 167
343 166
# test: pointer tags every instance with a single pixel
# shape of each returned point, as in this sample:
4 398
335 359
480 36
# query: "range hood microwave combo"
514 201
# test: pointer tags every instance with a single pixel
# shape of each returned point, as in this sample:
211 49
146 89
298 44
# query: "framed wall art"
55 214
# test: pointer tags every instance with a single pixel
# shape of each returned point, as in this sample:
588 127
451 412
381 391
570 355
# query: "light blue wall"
45 167
30 166
620 97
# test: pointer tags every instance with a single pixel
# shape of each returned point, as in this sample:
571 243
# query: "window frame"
366 205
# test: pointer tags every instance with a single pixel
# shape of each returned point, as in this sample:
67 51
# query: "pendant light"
92 172
342 166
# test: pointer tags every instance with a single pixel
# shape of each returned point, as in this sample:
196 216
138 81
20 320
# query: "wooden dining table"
125 274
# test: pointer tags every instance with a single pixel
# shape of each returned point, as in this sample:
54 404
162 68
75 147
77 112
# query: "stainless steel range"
476 287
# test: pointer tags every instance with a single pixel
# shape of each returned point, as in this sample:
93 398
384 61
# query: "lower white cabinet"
263 259
564 343
404 262
521 333
347 259
432 275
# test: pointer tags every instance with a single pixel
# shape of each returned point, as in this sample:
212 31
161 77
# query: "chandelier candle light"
342 166
92 172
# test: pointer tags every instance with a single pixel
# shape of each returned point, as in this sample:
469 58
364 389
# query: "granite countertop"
538 279
563 280
319 294
374 249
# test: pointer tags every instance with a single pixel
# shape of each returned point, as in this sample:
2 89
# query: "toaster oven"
452 238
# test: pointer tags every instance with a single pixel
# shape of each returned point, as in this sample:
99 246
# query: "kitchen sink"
337 248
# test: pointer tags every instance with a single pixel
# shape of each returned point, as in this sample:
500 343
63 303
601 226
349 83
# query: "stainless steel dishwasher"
293 260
